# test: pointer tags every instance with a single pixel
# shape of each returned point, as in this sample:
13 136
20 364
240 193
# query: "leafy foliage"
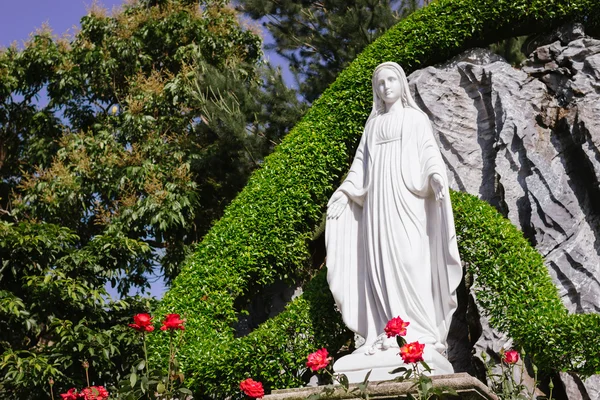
118 148
321 38
54 313
265 233
152 383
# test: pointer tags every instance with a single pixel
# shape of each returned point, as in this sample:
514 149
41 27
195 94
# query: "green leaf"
133 379
366 380
425 366
343 379
400 340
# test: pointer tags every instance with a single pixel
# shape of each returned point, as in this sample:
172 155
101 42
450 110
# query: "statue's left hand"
437 184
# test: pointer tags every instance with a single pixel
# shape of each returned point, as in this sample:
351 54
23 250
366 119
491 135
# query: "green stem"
535 383
504 378
145 355
418 378
522 370
171 363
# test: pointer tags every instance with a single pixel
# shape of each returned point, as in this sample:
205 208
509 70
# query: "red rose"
318 360
412 352
172 321
396 327
94 393
252 388
70 395
142 322
511 357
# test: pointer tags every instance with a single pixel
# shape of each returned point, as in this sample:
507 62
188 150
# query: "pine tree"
320 38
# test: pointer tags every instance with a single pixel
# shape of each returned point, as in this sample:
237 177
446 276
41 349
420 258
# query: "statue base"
466 386
356 365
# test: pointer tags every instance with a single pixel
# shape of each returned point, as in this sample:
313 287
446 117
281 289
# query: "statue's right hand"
337 204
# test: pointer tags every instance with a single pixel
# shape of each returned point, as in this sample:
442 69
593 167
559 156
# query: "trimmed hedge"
264 234
513 287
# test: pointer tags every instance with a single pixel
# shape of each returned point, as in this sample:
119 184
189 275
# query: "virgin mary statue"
391 243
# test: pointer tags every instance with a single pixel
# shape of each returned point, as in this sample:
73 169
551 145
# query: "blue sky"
21 17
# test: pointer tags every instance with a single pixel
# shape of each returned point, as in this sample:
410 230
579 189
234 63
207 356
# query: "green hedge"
514 289
264 234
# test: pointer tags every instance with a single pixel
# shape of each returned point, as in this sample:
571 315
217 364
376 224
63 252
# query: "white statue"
391 243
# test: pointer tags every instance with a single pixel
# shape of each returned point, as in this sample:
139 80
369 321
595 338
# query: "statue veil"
406 99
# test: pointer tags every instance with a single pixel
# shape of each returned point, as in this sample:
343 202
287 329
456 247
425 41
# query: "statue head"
387 86
386 70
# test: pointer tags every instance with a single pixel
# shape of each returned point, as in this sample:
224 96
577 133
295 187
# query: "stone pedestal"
356 365
467 387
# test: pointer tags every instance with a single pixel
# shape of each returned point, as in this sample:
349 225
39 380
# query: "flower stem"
87 375
145 355
535 382
171 362
52 388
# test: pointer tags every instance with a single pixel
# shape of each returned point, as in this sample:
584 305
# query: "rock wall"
527 140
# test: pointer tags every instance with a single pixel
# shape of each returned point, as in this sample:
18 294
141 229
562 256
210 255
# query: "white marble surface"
391 244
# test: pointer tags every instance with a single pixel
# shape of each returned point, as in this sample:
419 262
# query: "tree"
320 38
156 115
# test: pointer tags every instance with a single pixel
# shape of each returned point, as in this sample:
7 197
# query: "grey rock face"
528 141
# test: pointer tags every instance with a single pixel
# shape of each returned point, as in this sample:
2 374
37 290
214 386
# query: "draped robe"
392 252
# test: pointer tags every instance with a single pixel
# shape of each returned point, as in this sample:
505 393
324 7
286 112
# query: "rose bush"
252 388
509 384
154 383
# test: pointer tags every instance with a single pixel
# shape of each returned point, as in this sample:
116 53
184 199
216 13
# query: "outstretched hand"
437 184
337 204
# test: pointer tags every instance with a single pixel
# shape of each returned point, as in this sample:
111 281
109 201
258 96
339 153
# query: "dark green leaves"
118 176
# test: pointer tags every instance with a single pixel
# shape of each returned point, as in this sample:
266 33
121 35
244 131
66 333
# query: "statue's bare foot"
368 348
388 343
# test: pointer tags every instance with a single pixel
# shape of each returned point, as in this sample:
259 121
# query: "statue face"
388 86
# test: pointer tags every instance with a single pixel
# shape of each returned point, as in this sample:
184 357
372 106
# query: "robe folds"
393 252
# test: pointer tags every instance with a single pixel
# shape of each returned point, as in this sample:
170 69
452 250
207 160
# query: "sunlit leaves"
108 173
